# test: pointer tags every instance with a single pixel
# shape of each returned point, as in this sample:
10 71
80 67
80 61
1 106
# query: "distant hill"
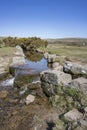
69 41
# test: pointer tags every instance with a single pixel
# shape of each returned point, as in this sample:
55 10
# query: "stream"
30 68
14 113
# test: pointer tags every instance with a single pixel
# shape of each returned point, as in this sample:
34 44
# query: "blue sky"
43 18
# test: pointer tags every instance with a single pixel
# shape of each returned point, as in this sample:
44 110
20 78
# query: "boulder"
46 55
77 89
50 57
75 120
75 68
19 57
59 68
59 103
51 79
29 99
83 124
79 84
59 125
20 49
73 115
55 65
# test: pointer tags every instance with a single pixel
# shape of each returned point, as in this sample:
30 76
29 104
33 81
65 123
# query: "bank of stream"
14 113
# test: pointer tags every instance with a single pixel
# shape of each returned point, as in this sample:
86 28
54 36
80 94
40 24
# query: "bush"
29 44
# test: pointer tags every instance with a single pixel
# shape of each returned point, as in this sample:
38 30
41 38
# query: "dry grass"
75 52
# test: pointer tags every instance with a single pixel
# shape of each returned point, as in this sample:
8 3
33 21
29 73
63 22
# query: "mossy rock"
81 128
67 98
79 98
59 103
74 93
59 125
23 80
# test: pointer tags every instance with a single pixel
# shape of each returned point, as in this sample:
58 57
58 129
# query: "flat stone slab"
55 77
51 79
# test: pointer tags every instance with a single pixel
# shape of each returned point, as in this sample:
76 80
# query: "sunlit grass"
7 51
76 52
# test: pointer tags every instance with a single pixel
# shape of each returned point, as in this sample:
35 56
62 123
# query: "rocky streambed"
23 105
36 97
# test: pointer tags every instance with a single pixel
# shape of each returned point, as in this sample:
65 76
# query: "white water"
8 82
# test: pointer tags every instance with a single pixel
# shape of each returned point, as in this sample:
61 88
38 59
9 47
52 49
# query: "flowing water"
8 82
30 68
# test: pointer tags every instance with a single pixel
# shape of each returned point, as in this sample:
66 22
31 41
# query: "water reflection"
31 67
39 65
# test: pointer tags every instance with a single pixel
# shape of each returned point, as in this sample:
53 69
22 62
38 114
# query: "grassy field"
73 52
69 41
7 51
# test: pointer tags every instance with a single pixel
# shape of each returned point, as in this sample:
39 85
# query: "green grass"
7 51
75 52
